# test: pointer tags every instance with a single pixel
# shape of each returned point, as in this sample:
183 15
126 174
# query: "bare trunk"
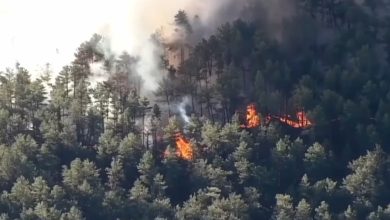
147 141
143 128
200 101
210 108
208 102
192 95
154 138
169 107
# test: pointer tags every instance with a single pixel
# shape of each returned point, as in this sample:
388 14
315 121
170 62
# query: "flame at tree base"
302 121
183 148
253 119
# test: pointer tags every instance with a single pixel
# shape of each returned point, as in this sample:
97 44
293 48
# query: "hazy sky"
36 32
41 31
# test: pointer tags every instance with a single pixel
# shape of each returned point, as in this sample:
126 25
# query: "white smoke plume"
49 31
182 109
45 31
137 20
99 74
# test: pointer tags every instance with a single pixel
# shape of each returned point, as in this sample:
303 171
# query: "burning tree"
184 148
301 122
253 119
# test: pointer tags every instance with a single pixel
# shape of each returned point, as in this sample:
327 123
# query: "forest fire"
183 148
301 122
253 120
252 117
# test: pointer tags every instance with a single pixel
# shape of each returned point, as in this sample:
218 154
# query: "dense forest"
280 121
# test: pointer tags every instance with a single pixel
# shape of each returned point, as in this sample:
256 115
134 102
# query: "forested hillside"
261 120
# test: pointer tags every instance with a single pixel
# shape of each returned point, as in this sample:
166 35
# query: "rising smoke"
182 109
55 29
138 20
135 21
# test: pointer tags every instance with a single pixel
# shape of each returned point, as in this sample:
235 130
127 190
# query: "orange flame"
303 121
252 117
183 148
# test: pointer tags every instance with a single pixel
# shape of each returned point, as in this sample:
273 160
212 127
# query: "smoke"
135 21
46 31
148 66
149 16
98 71
182 109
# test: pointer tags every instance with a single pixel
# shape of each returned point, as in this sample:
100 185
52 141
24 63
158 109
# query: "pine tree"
317 161
350 214
284 208
14 164
115 174
82 181
181 20
43 211
40 191
364 182
73 214
303 210
146 168
108 146
380 213
322 212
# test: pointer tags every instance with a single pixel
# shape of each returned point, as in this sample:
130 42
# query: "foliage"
73 150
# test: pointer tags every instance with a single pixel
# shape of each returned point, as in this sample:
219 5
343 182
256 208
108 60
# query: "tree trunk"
169 107
143 128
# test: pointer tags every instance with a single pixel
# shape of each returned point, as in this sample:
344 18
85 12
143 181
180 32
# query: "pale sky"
44 31
36 32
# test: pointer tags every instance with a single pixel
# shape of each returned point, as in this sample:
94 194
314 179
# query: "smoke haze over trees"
248 109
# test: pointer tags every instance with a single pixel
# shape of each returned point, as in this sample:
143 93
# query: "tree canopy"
319 89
